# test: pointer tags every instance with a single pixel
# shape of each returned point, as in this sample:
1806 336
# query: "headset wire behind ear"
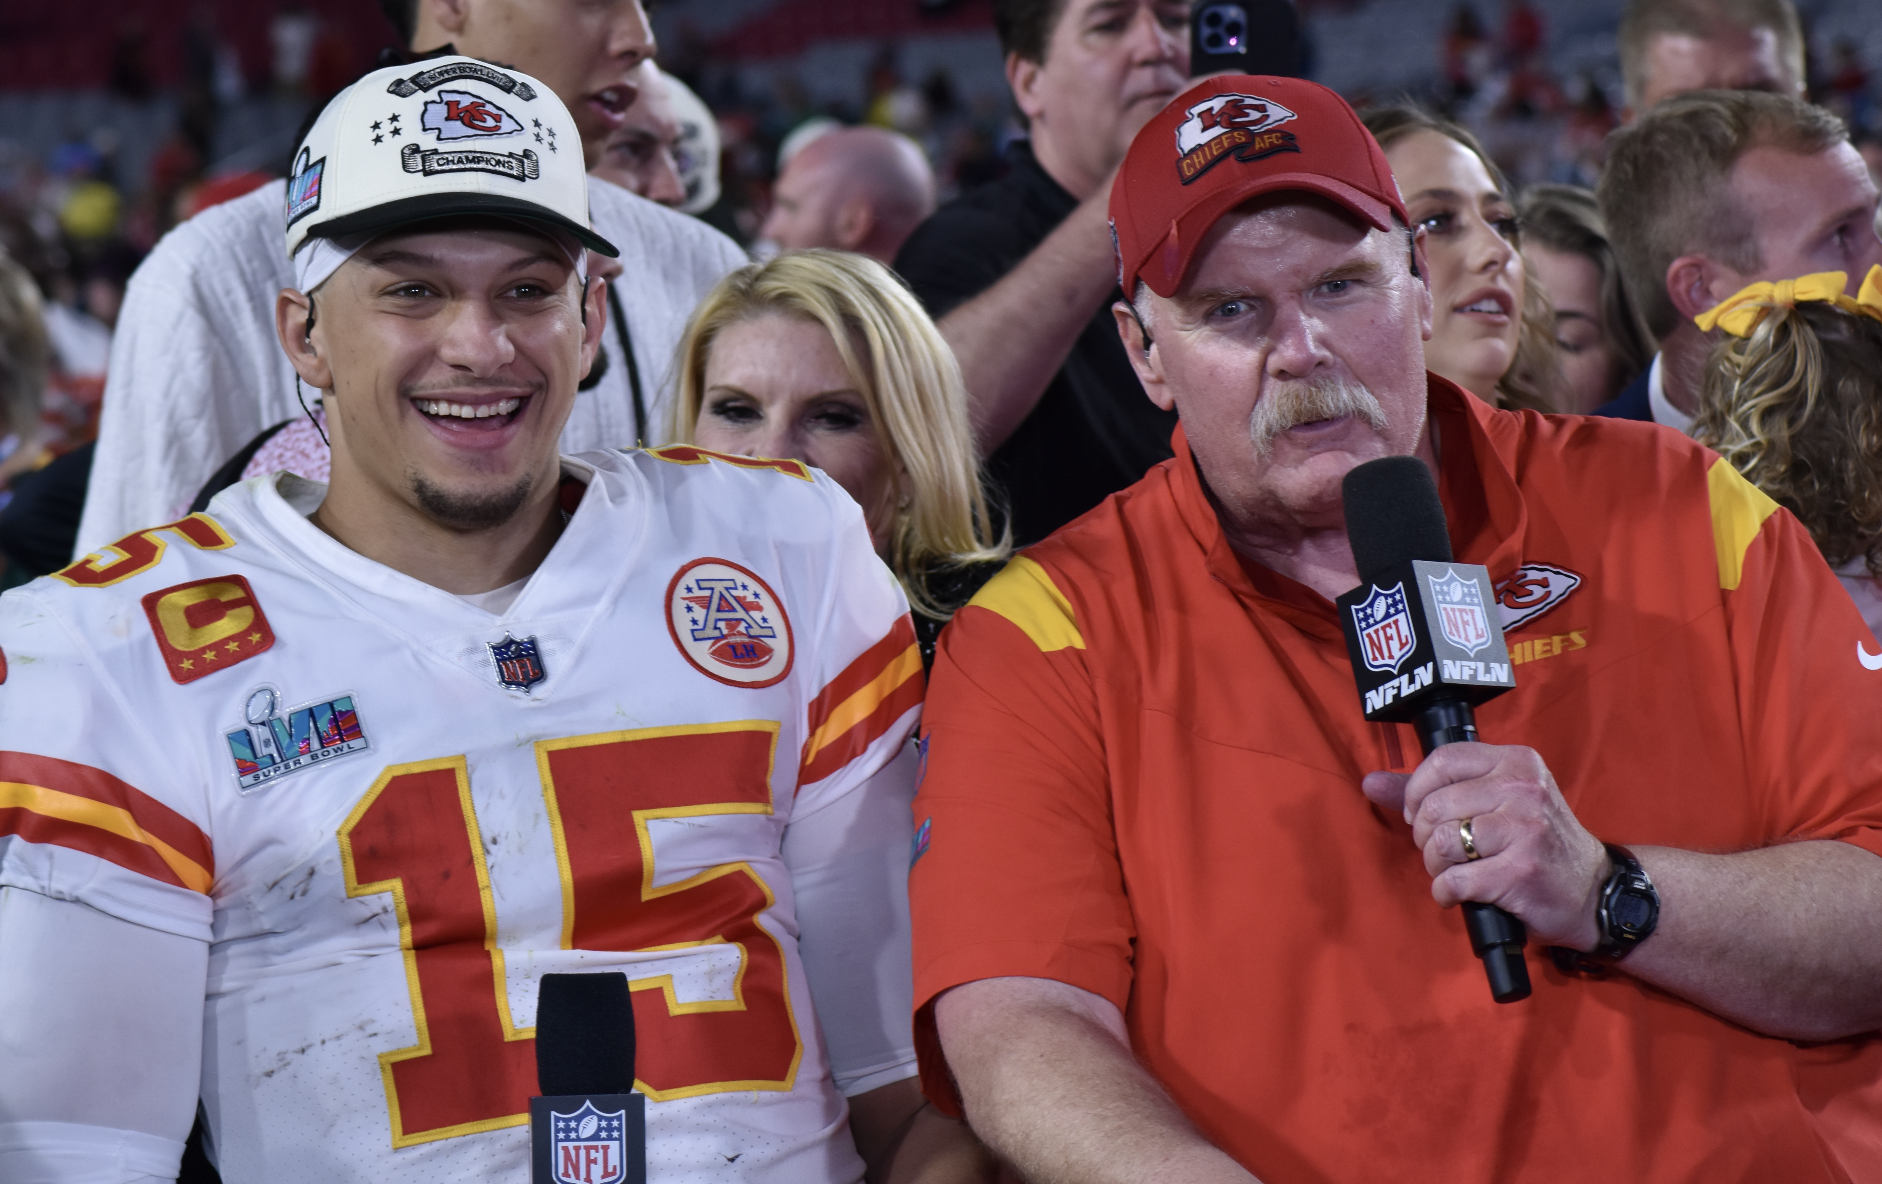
307 335
302 396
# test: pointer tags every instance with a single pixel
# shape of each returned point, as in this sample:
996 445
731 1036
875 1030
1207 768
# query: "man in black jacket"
1021 274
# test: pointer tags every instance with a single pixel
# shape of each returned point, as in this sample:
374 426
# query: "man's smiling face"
453 350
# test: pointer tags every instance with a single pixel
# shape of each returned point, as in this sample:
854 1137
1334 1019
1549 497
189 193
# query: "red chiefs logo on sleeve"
207 625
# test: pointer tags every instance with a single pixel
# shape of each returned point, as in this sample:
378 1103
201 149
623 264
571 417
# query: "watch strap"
1626 914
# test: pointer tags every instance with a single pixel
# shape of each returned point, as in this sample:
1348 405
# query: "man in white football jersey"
299 798
195 372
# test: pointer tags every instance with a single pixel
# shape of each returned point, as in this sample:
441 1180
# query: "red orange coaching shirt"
1143 772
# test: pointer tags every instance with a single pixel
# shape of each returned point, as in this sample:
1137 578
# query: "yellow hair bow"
1741 312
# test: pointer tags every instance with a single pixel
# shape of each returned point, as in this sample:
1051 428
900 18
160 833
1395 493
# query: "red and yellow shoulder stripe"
860 704
693 454
1739 510
66 804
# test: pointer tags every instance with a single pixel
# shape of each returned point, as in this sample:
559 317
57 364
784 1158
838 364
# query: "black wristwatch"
1625 913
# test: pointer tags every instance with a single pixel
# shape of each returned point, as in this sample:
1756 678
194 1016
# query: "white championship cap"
443 136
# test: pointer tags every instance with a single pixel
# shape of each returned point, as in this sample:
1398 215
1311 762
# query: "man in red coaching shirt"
1174 918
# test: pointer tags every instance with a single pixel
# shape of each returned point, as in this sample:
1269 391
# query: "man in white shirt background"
196 372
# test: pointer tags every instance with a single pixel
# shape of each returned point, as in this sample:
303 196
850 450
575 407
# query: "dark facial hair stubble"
1290 404
470 512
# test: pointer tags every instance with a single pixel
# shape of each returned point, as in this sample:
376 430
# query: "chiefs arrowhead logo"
1532 590
460 115
1221 124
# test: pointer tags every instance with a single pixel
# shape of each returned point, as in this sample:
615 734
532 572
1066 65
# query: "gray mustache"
1291 404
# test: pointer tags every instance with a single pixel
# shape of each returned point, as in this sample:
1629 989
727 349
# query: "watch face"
1630 913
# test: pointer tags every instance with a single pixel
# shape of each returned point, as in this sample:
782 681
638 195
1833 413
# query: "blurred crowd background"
117 121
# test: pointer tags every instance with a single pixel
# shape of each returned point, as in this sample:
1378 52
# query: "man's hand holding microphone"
1532 858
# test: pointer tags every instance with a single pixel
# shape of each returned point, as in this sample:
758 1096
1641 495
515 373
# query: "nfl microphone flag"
589 1127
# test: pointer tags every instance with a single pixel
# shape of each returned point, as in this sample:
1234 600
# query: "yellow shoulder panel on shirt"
1024 594
1739 509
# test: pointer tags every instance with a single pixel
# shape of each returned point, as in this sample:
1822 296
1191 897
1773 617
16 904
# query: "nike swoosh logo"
1869 661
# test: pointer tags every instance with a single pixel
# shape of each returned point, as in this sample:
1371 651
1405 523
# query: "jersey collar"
389 596
1476 482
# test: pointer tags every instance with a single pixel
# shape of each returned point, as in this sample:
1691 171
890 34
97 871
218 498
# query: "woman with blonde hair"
1492 330
825 357
1793 400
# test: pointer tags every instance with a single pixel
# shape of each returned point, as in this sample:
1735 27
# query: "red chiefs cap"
1225 140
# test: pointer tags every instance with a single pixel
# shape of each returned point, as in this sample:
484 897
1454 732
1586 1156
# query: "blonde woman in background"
825 357
1492 330
1793 400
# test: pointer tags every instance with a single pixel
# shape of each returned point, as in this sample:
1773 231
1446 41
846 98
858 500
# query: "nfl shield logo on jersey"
587 1147
729 624
1460 611
1384 623
519 663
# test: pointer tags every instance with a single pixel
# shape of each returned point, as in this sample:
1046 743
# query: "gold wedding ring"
1470 840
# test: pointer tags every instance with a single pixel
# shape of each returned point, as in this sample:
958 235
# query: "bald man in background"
1669 47
861 189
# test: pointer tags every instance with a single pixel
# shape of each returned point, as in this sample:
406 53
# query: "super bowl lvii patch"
275 743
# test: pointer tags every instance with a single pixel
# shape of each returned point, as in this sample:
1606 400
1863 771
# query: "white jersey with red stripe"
390 812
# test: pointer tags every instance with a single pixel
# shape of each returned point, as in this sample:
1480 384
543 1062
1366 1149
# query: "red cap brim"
1162 267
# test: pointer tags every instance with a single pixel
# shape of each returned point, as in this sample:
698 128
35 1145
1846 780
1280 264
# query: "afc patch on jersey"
207 625
729 624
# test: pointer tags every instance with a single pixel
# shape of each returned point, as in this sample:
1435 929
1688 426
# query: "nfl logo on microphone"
1386 636
588 1147
1460 611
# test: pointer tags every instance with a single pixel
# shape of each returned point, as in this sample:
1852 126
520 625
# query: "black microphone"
1426 647
588 1126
